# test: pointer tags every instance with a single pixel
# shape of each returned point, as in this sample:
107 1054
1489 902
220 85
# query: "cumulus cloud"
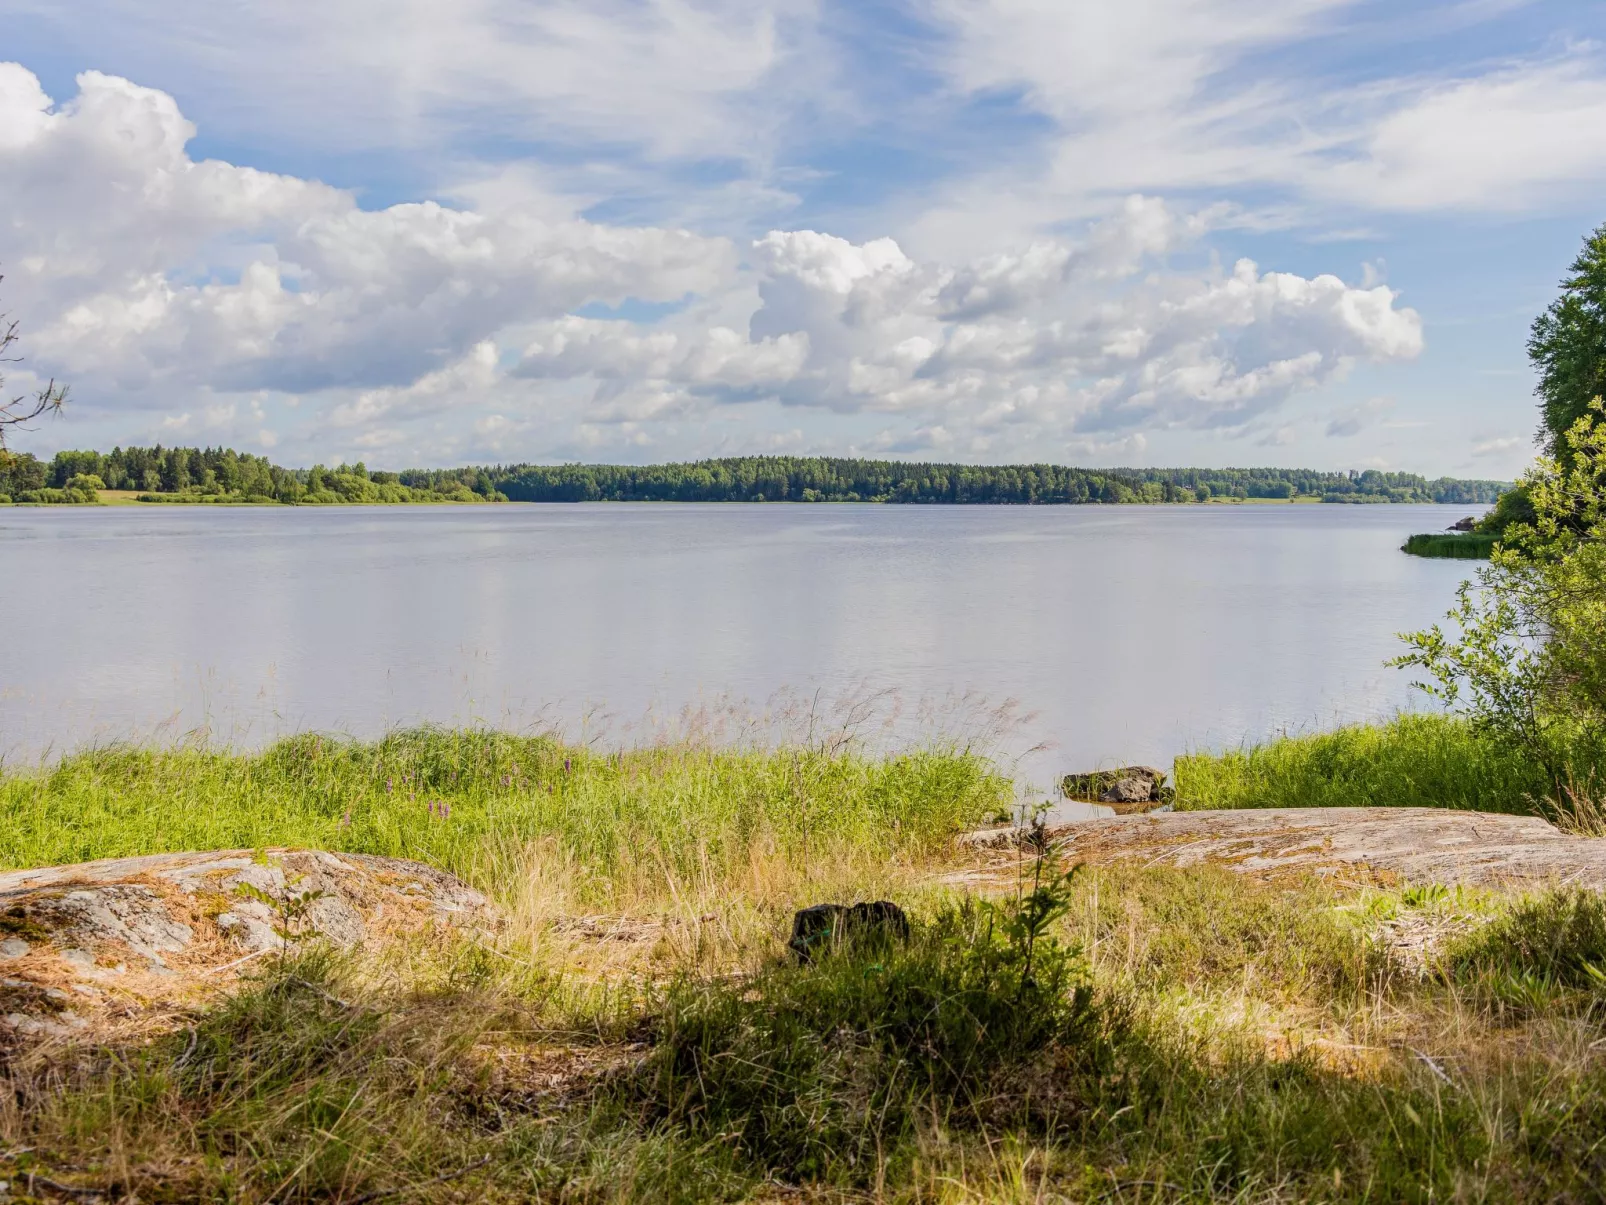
156 269
1015 349
196 286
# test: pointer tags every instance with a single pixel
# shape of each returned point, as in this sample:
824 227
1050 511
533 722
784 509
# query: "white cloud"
677 76
1500 141
1166 95
428 331
1502 446
150 268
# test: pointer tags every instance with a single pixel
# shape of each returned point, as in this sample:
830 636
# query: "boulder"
1367 844
1129 788
85 946
822 926
1467 524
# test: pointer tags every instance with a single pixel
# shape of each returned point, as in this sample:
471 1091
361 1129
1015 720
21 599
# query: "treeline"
824 479
224 475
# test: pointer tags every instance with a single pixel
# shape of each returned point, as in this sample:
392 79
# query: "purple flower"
565 765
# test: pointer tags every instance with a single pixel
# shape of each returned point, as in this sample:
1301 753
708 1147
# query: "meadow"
1116 1034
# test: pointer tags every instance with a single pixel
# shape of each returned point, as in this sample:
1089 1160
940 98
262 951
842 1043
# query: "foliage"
821 479
1568 346
219 475
1414 760
1513 507
1529 665
823 1072
1559 936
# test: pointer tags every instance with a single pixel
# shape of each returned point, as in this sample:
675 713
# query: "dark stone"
1127 785
1128 790
823 926
1467 524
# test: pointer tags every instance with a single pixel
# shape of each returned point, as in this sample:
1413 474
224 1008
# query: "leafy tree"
1529 665
1568 346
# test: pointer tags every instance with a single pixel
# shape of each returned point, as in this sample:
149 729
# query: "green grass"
943 1071
1410 761
1457 545
469 800
1131 1034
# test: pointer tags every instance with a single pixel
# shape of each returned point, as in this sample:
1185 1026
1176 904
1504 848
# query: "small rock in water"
1129 790
1124 788
818 927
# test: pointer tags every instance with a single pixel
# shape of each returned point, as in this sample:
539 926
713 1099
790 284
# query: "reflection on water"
1131 632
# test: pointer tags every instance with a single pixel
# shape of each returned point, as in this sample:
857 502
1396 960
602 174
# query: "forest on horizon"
223 474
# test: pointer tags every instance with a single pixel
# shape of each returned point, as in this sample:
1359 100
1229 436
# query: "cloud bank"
219 299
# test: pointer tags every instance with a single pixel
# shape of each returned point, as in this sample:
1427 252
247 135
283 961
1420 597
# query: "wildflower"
345 819
565 765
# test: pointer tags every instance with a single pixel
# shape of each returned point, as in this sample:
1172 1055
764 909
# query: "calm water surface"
1130 632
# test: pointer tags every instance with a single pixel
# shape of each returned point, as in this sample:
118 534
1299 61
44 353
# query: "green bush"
1558 938
825 1072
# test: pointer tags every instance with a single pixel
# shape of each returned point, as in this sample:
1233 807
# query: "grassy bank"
1411 761
1455 545
648 821
1137 1034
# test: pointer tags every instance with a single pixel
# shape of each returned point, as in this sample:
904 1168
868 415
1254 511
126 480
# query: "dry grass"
1266 1041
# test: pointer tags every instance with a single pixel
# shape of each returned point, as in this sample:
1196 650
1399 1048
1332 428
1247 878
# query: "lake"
1119 633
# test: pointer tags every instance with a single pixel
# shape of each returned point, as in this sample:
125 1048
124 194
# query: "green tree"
1568 346
1529 663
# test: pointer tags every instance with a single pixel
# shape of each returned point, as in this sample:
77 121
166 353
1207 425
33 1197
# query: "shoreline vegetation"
1452 545
224 476
636 1031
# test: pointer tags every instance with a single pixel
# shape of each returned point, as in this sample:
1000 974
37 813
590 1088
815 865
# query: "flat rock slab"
1418 845
86 945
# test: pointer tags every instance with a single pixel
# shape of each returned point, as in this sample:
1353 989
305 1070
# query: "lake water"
1127 633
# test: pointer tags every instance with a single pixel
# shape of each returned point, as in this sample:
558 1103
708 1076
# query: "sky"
1111 232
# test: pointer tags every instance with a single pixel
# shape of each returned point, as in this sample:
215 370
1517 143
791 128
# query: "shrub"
1556 939
824 1072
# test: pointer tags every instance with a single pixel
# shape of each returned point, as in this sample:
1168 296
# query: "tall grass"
1456 545
1410 761
476 802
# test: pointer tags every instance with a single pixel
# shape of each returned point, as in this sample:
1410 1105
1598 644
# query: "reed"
1458 545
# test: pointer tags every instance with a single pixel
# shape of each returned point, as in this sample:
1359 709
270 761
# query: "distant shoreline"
212 475
132 498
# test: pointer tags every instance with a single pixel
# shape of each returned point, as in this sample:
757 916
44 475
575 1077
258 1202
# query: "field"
1123 1034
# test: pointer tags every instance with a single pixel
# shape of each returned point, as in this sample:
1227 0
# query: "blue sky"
1145 232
